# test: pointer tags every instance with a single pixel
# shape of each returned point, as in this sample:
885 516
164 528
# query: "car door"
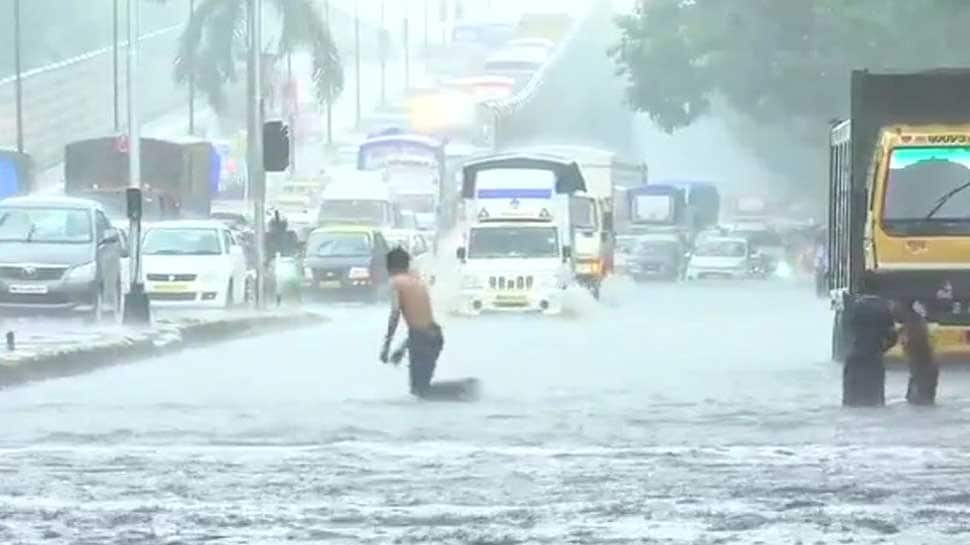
237 263
108 257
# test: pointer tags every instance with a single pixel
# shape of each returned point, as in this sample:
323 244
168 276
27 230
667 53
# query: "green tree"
213 46
774 60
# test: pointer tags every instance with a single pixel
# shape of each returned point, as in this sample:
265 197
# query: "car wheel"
97 307
119 301
230 296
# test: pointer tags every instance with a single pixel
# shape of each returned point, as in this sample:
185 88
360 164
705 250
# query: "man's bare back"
413 301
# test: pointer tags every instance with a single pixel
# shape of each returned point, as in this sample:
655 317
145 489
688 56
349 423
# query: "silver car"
59 254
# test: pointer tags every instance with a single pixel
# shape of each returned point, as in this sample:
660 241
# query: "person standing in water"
410 298
924 373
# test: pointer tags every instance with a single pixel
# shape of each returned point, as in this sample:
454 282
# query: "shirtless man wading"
425 341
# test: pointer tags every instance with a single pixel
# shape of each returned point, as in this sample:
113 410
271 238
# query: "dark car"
349 260
656 258
59 254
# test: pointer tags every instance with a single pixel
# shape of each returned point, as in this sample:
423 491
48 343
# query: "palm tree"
214 41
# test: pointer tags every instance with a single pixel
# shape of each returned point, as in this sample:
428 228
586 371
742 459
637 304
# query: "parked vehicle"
59 254
194 263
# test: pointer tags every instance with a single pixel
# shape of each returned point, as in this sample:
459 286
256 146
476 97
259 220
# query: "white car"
723 257
193 263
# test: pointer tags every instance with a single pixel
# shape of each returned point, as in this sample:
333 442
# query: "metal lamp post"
19 81
254 147
136 309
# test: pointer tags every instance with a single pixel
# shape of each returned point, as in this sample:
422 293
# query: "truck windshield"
653 208
582 213
513 242
45 225
359 212
928 191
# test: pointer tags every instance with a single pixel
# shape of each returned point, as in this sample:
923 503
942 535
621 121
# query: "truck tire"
839 338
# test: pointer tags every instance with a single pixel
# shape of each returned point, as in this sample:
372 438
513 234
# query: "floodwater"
682 414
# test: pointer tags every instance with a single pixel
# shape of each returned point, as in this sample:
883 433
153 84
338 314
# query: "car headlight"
358 273
83 273
470 282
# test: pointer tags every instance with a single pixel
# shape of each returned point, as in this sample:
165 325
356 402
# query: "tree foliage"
775 60
213 45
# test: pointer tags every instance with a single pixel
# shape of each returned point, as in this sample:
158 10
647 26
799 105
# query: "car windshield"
513 242
181 241
927 184
362 212
722 248
45 225
333 244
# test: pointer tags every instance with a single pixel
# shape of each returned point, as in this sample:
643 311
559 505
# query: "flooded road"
670 414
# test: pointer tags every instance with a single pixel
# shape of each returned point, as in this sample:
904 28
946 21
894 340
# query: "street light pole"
357 62
114 47
326 11
382 46
406 47
136 301
19 69
254 147
191 78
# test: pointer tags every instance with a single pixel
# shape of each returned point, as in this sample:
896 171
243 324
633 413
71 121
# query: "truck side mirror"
460 253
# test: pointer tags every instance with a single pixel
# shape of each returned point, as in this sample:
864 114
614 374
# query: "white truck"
592 212
516 255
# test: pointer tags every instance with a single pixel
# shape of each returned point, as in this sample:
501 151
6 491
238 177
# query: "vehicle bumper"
951 344
189 294
344 286
724 274
474 302
652 270
58 296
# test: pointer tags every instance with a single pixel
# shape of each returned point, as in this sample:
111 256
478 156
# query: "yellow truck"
899 206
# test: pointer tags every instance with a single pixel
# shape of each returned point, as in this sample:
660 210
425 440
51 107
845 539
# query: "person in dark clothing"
924 373
873 332
425 339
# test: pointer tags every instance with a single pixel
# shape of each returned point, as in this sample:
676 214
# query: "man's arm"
392 322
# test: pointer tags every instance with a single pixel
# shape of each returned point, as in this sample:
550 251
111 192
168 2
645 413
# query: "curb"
164 338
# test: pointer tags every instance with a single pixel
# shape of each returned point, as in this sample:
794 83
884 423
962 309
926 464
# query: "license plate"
511 298
172 287
329 284
28 289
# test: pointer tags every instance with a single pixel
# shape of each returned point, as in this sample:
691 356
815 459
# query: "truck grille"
27 272
172 296
510 282
170 277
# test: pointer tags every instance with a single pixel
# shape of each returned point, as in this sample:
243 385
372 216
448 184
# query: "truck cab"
516 253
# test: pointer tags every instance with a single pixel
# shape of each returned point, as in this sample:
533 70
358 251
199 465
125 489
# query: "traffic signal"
276 146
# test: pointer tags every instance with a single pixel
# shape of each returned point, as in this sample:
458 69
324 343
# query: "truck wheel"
839 338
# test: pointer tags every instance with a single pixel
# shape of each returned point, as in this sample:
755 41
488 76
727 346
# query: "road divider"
43 359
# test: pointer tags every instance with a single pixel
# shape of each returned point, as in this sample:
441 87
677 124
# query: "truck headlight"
470 282
83 273
358 273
